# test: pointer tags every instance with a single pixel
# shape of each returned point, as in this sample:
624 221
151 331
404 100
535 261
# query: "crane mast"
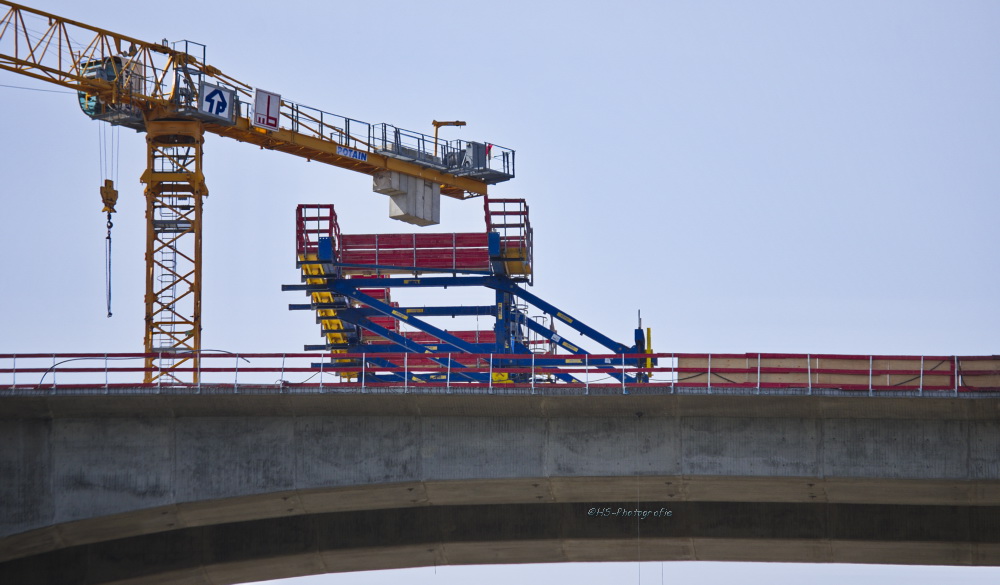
175 192
173 95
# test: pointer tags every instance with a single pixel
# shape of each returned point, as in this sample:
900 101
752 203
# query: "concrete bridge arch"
228 488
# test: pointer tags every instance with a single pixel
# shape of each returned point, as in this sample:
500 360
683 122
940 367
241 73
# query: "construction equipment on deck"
350 278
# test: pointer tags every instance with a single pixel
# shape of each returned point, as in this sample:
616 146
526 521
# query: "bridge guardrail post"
363 362
447 377
281 376
490 390
586 373
624 391
236 375
954 372
920 389
532 373
406 373
871 360
674 374
53 373
708 375
809 373
758 373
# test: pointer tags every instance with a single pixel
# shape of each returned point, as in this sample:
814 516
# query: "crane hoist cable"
107 265
108 140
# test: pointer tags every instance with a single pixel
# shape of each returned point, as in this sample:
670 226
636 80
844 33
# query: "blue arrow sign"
217 102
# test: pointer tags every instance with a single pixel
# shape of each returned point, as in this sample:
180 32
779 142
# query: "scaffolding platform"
350 277
504 248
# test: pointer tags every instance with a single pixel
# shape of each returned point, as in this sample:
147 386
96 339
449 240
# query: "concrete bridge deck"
228 488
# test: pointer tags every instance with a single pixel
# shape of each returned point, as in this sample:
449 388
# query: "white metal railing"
619 373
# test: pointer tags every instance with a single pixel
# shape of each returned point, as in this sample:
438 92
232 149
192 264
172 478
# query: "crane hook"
109 196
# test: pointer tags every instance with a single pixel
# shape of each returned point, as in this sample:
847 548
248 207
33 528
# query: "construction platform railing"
68 373
490 162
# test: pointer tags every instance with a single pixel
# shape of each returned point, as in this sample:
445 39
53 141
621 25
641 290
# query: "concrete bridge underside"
236 488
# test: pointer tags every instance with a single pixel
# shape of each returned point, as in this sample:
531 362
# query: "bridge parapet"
679 372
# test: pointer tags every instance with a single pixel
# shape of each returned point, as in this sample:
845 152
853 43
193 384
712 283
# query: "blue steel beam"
556 338
494 282
508 286
503 311
411 346
345 287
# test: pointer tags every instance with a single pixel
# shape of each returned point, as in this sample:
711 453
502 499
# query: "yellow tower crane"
169 92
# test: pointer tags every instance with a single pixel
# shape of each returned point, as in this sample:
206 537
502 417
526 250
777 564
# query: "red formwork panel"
380 294
387 322
437 252
420 259
411 241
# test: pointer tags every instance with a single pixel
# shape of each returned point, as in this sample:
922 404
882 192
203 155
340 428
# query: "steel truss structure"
350 278
175 192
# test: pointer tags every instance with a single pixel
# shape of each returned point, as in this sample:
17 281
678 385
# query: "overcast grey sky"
758 176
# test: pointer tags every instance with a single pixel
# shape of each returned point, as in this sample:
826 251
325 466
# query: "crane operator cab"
127 78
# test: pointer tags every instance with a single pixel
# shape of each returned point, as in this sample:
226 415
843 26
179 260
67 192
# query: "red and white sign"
266 109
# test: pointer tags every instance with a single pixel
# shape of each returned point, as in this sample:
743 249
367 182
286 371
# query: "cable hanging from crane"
107 265
108 140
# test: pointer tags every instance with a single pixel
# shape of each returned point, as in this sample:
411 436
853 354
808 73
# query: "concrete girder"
164 488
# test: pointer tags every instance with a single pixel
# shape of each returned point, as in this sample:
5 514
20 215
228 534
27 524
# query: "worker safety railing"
378 372
488 162
482 160
316 123
409 145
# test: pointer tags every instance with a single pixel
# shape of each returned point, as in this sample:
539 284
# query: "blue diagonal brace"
508 286
351 316
555 338
345 287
